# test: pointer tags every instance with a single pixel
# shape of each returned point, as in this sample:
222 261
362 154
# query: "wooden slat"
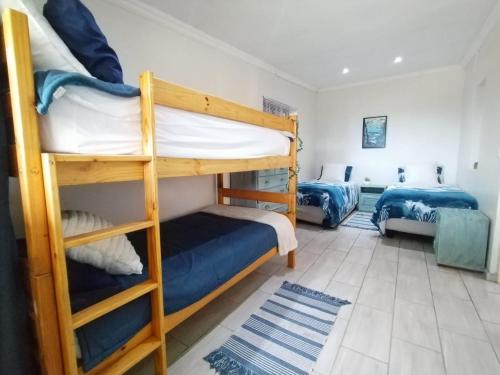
292 187
151 209
173 320
85 238
133 357
71 158
109 304
256 195
59 264
29 169
176 167
174 96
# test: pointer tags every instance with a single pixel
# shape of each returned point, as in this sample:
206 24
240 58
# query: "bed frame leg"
291 259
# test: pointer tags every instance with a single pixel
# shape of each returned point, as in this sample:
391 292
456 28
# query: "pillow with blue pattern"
77 27
439 174
348 172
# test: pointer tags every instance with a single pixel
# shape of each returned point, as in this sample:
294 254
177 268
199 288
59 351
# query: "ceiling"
313 40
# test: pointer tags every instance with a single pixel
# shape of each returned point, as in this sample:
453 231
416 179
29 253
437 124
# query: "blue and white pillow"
439 174
348 172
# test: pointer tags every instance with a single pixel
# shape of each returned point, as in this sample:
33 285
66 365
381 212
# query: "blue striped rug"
284 337
361 220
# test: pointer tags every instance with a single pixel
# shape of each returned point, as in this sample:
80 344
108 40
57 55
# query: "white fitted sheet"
87 121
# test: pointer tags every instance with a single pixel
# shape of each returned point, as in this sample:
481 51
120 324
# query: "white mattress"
87 121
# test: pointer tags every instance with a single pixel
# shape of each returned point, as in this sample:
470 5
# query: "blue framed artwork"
374 131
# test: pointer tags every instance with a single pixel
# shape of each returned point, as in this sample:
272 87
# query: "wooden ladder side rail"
152 213
29 166
255 195
292 185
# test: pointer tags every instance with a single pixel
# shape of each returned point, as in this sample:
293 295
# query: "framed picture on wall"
374 131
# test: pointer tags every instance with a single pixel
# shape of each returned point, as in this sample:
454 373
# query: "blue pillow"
348 171
76 26
401 175
439 174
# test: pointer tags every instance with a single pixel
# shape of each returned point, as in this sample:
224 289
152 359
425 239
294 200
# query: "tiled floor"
408 315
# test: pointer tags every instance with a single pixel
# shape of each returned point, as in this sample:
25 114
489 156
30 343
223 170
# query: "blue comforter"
419 203
335 199
200 252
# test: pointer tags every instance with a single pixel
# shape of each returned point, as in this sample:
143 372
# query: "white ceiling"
313 40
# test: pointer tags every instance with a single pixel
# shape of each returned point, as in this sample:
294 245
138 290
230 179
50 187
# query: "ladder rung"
109 304
133 357
101 234
71 158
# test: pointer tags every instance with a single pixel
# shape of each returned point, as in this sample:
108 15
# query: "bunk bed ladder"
69 322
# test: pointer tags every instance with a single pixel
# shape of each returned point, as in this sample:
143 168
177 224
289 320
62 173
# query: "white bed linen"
283 227
87 121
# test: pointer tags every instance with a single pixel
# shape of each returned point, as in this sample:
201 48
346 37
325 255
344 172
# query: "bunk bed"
41 174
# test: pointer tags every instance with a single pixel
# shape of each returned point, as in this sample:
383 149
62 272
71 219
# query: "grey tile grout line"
479 316
437 321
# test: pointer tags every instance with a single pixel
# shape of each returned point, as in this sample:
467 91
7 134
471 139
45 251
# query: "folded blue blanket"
48 82
419 203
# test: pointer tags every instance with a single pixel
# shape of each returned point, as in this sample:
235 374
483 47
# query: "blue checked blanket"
419 203
335 199
285 336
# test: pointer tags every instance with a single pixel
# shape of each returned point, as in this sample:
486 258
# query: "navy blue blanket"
335 199
48 82
200 252
419 203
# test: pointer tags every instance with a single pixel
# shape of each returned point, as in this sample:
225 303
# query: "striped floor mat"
361 220
284 337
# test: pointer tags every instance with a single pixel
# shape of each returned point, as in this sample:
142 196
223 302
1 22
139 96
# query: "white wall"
481 136
424 117
143 44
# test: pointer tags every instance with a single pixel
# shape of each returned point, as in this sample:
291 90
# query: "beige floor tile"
430 258
416 323
175 349
378 294
493 331
305 259
351 273
410 359
283 274
411 254
457 315
369 332
411 244
203 321
488 307
320 242
344 291
448 283
412 267
342 243
386 241
269 268
467 356
413 289
477 285
360 255
384 252
351 363
383 269
367 241
192 362
331 348
242 290
321 272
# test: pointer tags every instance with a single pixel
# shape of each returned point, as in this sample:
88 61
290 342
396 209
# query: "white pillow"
115 255
333 172
421 174
47 49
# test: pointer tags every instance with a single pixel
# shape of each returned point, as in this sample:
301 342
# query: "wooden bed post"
29 165
292 187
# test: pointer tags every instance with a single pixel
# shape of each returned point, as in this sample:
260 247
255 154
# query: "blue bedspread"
48 82
419 203
200 252
335 199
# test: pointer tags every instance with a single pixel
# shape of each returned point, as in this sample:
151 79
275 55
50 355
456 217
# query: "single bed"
88 121
412 209
326 203
200 252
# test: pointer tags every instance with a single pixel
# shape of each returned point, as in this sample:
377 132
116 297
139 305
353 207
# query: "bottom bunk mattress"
419 203
336 200
200 252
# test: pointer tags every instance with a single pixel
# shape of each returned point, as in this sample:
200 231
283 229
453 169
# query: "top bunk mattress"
87 121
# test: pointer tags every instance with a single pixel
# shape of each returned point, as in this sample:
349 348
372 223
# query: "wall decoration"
374 131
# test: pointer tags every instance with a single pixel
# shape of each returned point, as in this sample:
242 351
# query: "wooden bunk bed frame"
41 174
